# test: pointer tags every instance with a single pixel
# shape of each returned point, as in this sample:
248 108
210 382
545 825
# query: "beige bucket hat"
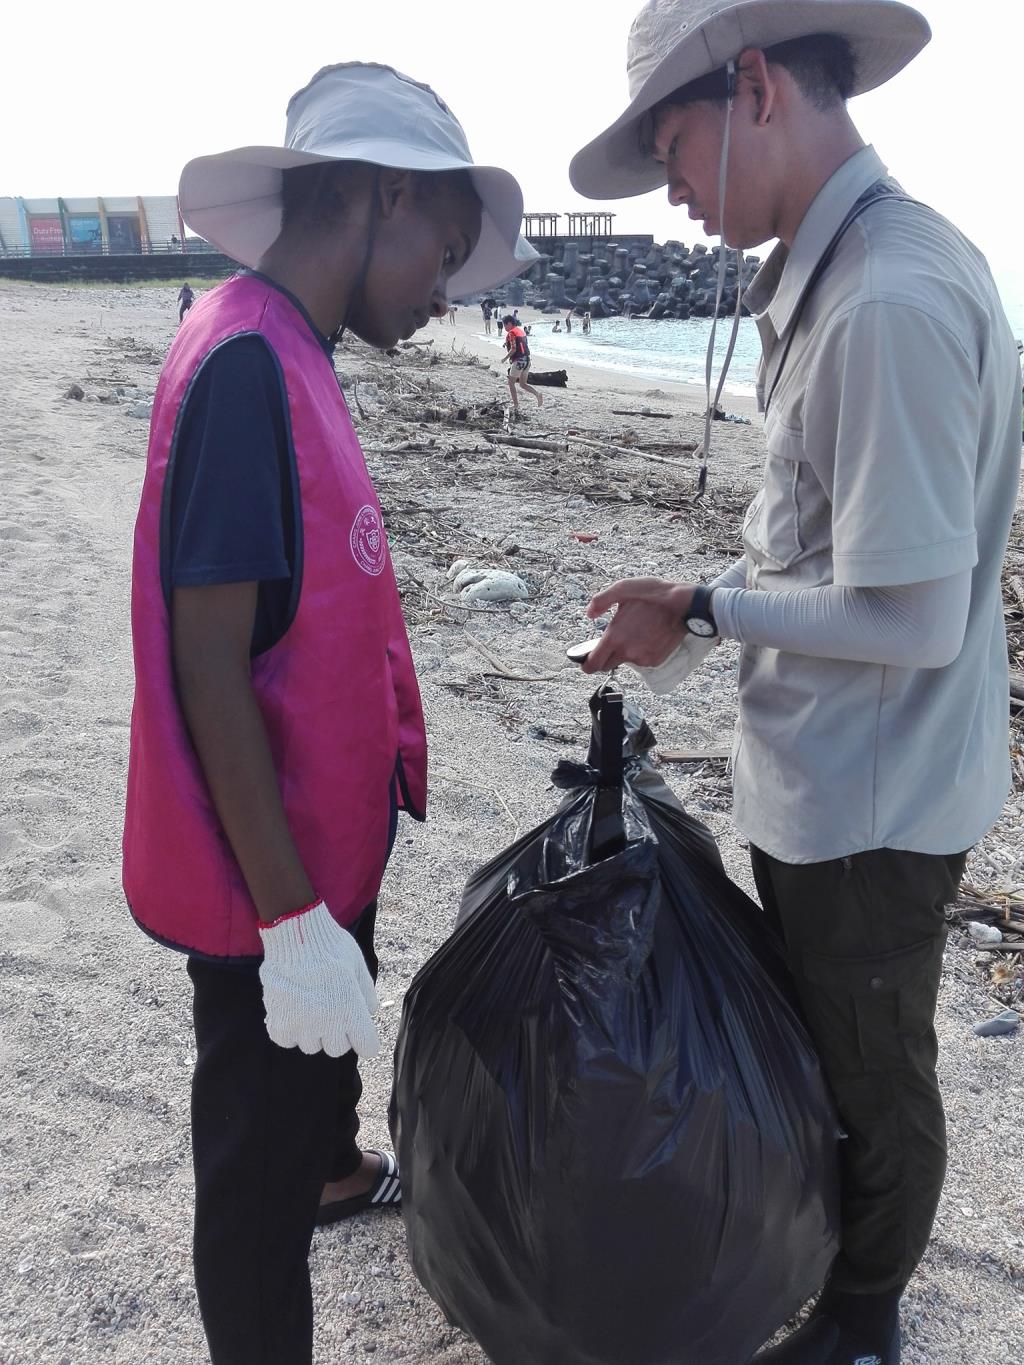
673 42
355 111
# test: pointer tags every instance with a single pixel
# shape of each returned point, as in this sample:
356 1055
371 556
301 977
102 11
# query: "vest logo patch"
369 547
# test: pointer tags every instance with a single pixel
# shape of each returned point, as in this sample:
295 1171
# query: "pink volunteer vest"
338 692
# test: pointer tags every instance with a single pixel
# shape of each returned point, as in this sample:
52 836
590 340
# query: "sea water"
669 349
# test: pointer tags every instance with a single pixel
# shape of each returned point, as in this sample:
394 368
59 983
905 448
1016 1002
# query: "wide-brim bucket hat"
674 42
355 111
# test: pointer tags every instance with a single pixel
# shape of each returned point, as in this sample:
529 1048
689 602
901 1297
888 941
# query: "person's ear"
754 79
395 189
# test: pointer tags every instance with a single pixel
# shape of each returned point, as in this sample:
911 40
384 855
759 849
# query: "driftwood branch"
639 412
527 442
502 670
607 448
693 755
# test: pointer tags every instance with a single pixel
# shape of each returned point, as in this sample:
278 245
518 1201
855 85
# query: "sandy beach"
96 1041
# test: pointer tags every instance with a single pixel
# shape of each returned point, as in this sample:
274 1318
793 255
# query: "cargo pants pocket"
874 1013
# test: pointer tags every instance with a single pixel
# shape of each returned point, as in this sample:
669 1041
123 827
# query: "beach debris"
718 752
141 409
500 669
1002 1025
609 448
76 392
984 933
457 568
584 537
490 585
527 443
638 412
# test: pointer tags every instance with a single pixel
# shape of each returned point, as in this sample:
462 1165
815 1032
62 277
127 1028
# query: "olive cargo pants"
864 937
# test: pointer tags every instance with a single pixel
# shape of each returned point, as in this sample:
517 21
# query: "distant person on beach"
518 350
871 748
500 322
586 324
557 327
277 730
186 298
452 310
568 322
487 314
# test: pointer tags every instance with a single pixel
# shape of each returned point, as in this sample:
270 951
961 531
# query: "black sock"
868 1325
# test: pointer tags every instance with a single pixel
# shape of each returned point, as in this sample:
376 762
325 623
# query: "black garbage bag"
615 1141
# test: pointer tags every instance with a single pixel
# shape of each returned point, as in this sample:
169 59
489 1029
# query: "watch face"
696 625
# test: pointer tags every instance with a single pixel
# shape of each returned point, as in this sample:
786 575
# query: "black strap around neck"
881 189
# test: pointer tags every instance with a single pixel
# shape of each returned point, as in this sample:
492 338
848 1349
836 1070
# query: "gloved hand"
317 991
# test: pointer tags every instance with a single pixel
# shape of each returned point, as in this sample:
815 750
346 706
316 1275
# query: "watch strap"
700 604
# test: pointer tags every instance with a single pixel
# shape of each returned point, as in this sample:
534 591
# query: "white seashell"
457 568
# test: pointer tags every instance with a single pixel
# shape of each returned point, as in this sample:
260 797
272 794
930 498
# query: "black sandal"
385 1192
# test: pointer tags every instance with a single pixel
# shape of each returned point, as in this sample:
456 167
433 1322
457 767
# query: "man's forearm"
230 738
914 625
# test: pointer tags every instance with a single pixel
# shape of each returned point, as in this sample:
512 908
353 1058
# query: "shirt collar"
779 285
327 344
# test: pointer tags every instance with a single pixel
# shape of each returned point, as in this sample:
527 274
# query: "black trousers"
864 938
270 1125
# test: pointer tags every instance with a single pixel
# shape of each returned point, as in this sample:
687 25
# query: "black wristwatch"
698 620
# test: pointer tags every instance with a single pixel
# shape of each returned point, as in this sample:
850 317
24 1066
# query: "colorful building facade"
112 226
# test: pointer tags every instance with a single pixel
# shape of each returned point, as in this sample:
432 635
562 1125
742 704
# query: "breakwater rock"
634 277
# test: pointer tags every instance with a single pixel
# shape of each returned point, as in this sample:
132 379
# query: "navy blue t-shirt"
233 515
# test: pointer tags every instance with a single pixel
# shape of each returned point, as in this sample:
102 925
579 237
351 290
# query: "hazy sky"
113 99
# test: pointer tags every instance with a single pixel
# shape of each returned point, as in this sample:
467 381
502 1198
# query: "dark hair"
822 66
318 193
509 318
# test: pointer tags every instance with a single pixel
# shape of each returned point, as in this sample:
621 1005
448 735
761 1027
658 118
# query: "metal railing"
192 246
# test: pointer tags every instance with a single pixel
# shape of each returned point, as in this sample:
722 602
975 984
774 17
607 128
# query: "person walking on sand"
277 729
517 348
871 749
186 298
452 310
488 313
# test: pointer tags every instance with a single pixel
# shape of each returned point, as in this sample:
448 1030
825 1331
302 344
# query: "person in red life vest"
517 348
277 729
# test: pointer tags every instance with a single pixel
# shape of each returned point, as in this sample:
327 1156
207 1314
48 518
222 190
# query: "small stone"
76 392
1003 1024
352 1298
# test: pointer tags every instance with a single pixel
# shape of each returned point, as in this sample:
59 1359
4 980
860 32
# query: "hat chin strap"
723 169
355 295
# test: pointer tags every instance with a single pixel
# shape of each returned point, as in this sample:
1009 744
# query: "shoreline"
468 333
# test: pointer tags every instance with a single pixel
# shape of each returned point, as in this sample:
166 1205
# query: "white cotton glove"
680 664
317 991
